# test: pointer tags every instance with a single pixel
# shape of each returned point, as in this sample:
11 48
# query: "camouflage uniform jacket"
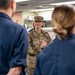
35 40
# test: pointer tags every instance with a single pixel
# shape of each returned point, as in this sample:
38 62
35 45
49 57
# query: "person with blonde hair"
58 58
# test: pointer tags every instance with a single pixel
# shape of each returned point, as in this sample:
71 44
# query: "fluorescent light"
69 2
42 9
39 6
21 0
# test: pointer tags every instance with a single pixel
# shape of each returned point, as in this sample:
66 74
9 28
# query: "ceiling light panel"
21 0
69 2
42 9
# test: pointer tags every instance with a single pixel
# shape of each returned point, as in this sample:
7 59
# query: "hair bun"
61 32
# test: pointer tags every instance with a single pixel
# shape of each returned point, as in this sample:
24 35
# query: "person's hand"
15 71
43 44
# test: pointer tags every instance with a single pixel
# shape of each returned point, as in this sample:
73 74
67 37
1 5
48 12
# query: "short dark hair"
4 4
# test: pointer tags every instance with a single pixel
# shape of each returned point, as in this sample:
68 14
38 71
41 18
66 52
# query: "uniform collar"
72 36
3 15
38 33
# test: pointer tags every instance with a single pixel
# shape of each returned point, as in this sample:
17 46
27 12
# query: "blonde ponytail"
63 20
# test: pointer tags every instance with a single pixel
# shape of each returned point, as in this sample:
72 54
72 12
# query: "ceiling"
37 4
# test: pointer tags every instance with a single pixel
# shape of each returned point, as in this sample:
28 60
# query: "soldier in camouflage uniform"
38 39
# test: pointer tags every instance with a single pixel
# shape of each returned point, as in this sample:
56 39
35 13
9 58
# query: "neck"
38 30
8 12
73 30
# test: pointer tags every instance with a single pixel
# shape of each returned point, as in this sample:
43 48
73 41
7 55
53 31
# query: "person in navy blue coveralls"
58 58
13 41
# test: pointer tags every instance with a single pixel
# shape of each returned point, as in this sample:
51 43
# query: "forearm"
32 50
15 71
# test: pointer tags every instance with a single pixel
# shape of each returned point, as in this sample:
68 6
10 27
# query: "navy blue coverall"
13 45
58 58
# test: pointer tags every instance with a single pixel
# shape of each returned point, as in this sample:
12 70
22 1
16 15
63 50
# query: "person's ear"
12 4
42 24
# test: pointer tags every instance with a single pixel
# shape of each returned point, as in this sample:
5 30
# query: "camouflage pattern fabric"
35 40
